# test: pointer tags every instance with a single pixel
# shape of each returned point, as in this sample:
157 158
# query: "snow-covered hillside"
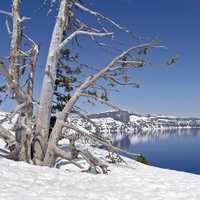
133 182
111 122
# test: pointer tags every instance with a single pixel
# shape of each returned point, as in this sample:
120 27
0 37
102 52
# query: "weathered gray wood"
7 136
47 89
15 43
94 162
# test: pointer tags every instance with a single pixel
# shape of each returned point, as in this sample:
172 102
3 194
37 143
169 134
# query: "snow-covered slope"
111 122
134 182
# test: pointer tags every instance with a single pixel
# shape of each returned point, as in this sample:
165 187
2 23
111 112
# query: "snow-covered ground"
135 181
21 181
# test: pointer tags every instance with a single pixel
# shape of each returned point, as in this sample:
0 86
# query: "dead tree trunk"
15 42
23 127
15 74
47 90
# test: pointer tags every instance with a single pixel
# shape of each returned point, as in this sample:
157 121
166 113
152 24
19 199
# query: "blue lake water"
174 149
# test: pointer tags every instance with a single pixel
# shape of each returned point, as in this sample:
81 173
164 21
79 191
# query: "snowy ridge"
112 122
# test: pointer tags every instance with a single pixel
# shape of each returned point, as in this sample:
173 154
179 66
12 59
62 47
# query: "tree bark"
47 90
15 43
14 72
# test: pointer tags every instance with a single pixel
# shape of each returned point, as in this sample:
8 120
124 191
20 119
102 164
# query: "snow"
133 182
7 124
106 120
137 123
134 118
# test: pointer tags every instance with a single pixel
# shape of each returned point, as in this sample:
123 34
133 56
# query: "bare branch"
99 15
115 60
90 135
34 55
85 118
29 39
131 62
6 13
59 152
6 135
11 15
94 162
7 27
20 94
102 101
24 18
118 82
79 32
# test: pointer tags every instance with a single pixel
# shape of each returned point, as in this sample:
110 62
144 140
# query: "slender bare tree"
36 138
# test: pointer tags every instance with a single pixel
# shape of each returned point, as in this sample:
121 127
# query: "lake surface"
172 149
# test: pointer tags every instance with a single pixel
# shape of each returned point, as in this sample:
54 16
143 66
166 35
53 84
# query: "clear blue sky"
164 90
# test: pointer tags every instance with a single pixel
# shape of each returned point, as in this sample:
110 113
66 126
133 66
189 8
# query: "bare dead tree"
35 141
